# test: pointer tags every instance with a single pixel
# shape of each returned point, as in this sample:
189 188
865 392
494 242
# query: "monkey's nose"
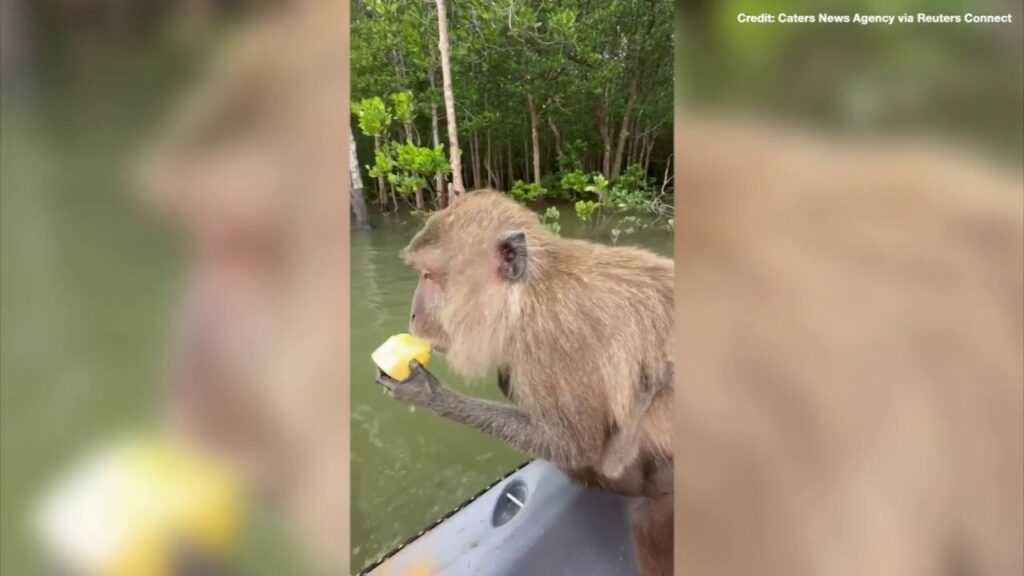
412 317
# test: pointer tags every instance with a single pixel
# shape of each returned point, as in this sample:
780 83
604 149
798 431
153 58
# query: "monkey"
849 316
581 334
239 172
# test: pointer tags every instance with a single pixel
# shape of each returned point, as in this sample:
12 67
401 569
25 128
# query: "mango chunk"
131 506
394 355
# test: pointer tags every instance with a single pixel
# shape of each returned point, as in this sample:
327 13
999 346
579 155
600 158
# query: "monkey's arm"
502 421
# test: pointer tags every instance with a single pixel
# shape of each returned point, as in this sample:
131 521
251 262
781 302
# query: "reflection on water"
409 466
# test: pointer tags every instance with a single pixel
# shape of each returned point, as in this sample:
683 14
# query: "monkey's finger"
421 374
385 381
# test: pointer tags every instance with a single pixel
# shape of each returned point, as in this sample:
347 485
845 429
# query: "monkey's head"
475 261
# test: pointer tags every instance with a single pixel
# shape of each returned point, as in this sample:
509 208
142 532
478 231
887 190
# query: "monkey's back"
603 315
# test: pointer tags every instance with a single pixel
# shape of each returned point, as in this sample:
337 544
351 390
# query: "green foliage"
550 220
421 160
631 202
403 106
585 209
373 115
569 58
572 156
627 199
598 185
526 192
407 184
633 178
407 166
575 182
383 163
404 165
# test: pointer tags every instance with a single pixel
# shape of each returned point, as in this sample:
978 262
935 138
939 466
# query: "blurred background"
98 270
850 290
962 82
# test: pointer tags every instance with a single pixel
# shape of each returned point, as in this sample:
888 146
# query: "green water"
409 467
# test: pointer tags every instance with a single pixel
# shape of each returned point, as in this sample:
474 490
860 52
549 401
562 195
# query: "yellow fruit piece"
394 355
129 506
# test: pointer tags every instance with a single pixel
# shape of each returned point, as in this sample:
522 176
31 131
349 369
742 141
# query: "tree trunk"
534 136
499 177
624 130
526 159
358 201
419 200
639 143
509 176
606 137
439 181
382 194
491 180
475 145
647 156
558 141
635 141
643 153
449 101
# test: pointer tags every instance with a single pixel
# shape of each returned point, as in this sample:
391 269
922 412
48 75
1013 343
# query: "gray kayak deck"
532 522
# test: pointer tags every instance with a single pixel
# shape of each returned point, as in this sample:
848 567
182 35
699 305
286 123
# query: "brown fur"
246 167
583 338
851 330
653 532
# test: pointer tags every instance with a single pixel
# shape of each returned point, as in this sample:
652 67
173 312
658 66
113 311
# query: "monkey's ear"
512 255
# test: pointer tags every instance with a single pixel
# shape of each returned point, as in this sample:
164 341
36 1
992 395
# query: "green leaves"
403 106
575 182
550 220
376 118
526 193
599 185
373 115
407 166
585 209
630 202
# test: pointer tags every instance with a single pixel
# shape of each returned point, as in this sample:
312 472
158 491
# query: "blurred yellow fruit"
129 509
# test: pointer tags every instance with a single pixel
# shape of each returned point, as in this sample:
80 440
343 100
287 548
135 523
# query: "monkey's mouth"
436 344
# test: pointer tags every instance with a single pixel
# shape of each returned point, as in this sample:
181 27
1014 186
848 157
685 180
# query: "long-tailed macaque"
582 336
850 326
247 170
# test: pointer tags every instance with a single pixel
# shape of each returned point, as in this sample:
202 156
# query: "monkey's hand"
418 389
